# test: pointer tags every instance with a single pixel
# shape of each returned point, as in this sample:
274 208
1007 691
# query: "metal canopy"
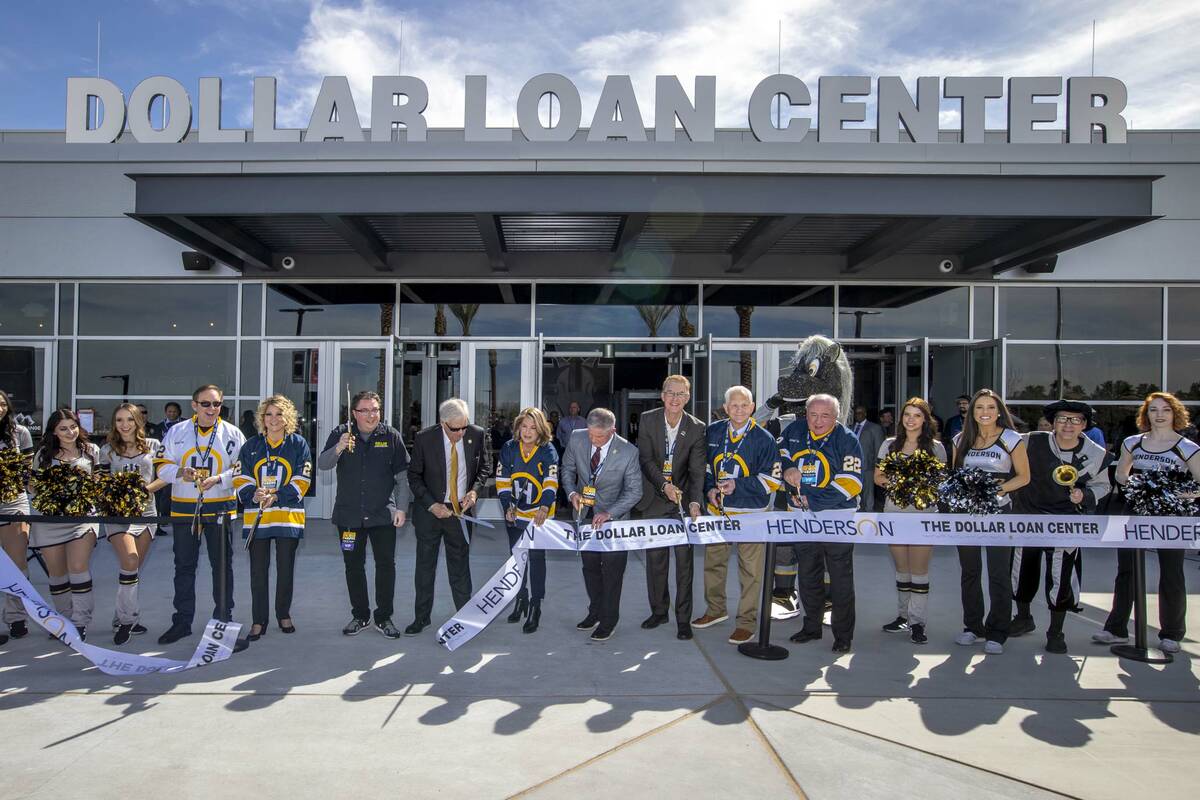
988 222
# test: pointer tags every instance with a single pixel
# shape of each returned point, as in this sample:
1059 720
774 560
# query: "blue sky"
1149 45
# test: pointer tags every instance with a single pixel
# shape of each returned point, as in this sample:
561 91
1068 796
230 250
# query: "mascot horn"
820 366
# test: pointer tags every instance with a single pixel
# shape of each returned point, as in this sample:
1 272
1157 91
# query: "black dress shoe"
18 629
841 646
685 631
653 621
254 637
240 645
587 623
602 634
414 628
535 616
289 628
174 634
801 636
520 609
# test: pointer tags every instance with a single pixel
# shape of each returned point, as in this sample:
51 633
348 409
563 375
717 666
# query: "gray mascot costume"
820 366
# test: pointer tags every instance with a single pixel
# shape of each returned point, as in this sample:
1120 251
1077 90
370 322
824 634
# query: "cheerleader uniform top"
1177 458
526 484
997 457
141 463
285 466
889 507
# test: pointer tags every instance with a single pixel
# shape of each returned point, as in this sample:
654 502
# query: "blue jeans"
187 554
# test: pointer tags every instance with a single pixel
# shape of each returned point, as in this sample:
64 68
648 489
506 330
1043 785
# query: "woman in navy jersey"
989 442
1159 446
527 485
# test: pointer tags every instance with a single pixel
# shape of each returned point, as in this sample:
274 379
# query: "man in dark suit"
602 467
671 454
446 474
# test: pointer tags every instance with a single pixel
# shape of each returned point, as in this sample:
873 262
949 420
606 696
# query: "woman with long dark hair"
67 547
14 536
527 485
1159 446
990 442
128 450
917 432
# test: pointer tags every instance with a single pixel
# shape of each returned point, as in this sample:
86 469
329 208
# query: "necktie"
454 479
595 462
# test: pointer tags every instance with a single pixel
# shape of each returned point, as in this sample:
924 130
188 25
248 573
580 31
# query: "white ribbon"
215 645
843 527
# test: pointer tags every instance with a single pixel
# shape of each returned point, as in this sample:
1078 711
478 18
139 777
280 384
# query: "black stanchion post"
763 649
1139 650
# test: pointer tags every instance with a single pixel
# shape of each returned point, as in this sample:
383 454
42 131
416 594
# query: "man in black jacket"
671 453
371 503
448 469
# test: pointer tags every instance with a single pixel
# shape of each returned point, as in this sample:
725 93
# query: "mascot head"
819 367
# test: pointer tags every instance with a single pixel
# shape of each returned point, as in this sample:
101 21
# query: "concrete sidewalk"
551 715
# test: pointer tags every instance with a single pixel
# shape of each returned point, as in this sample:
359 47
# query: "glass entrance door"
315 376
986 370
912 369
26 370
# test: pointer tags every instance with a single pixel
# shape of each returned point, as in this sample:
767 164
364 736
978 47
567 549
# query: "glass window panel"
1183 371
330 309
153 366
1183 321
408 388
770 312
730 368
609 310
1086 372
23 378
251 368
66 364
464 309
252 309
157 309
103 409
363 369
1081 312
898 312
984 312
66 309
27 309
497 398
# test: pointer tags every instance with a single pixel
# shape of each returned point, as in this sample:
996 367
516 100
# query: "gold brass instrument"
1065 475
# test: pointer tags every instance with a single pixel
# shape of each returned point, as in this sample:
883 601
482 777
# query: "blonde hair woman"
276 471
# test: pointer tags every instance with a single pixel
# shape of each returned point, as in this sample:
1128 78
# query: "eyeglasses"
209 403
368 411
677 395
452 429
1069 420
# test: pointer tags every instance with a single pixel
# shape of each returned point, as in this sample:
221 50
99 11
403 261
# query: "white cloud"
1149 45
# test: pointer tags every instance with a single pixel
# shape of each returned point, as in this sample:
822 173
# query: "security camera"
945 266
287 262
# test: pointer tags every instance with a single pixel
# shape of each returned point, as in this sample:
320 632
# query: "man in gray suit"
870 438
602 467
671 450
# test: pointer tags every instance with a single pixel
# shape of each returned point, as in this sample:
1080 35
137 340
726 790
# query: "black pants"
383 546
1172 595
603 576
1000 591
431 532
814 559
186 546
260 583
1063 572
535 577
658 575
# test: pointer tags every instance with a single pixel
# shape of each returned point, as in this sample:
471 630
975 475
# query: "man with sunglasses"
199 459
449 466
370 504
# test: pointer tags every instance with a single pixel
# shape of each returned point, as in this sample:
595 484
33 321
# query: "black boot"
1023 622
1056 642
535 616
520 609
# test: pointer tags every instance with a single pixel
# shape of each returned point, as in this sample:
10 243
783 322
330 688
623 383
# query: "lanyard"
670 447
212 437
599 468
745 435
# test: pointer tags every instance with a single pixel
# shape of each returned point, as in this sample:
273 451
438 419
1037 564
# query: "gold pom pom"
122 494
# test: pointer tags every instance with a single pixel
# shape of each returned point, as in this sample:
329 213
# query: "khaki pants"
750 577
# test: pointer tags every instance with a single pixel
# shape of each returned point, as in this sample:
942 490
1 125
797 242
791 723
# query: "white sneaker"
1104 637
993 648
1168 645
966 639
785 607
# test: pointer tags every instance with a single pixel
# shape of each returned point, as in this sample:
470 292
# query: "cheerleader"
276 470
527 485
989 442
1158 447
14 536
67 547
917 432
128 450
